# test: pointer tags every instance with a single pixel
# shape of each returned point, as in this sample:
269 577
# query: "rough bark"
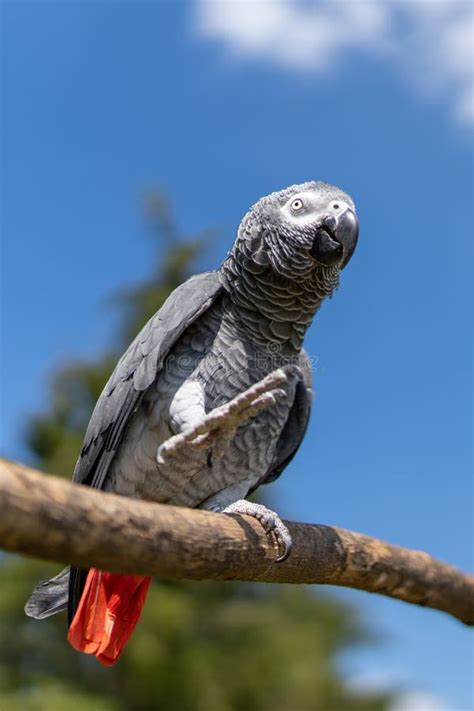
47 517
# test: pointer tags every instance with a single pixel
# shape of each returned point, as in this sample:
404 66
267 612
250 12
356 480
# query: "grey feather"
135 372
49 597
296 425
294 430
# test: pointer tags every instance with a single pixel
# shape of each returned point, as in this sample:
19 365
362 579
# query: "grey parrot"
216 335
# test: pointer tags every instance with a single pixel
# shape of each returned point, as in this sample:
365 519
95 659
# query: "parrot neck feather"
270 305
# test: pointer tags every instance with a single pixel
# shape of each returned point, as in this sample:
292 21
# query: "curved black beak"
336 239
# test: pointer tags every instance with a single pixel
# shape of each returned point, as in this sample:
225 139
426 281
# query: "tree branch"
46 517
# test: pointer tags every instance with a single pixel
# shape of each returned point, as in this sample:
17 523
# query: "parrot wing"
136 371
296 424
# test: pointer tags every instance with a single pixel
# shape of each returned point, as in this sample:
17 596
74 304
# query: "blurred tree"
199 647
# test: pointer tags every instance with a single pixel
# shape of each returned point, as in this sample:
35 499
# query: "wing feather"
136 371
296 424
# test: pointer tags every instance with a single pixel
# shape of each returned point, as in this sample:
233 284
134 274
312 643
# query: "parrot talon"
269 520
272 397
216 429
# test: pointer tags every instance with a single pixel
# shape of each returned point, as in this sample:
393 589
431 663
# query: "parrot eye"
297 205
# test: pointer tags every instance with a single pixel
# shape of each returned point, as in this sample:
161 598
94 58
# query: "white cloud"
418 701
430 40
376 682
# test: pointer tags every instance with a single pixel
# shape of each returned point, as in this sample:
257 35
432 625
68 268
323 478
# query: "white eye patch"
300 208
297 205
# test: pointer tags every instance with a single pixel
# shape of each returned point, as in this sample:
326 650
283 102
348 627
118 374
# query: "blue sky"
102 100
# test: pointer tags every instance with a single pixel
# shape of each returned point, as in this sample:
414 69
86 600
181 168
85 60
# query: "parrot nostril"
336 206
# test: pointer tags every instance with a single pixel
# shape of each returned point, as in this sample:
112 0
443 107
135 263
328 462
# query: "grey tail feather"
49 597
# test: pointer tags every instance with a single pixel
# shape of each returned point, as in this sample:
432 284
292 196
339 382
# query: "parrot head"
301 229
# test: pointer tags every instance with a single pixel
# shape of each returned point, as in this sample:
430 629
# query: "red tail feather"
108 612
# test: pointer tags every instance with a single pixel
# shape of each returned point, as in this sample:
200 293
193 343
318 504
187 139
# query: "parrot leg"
217 428
270 521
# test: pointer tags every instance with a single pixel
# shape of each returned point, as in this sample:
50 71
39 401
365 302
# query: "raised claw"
272 397
217 428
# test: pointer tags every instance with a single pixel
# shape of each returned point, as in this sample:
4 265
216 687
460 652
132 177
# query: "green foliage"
198 647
